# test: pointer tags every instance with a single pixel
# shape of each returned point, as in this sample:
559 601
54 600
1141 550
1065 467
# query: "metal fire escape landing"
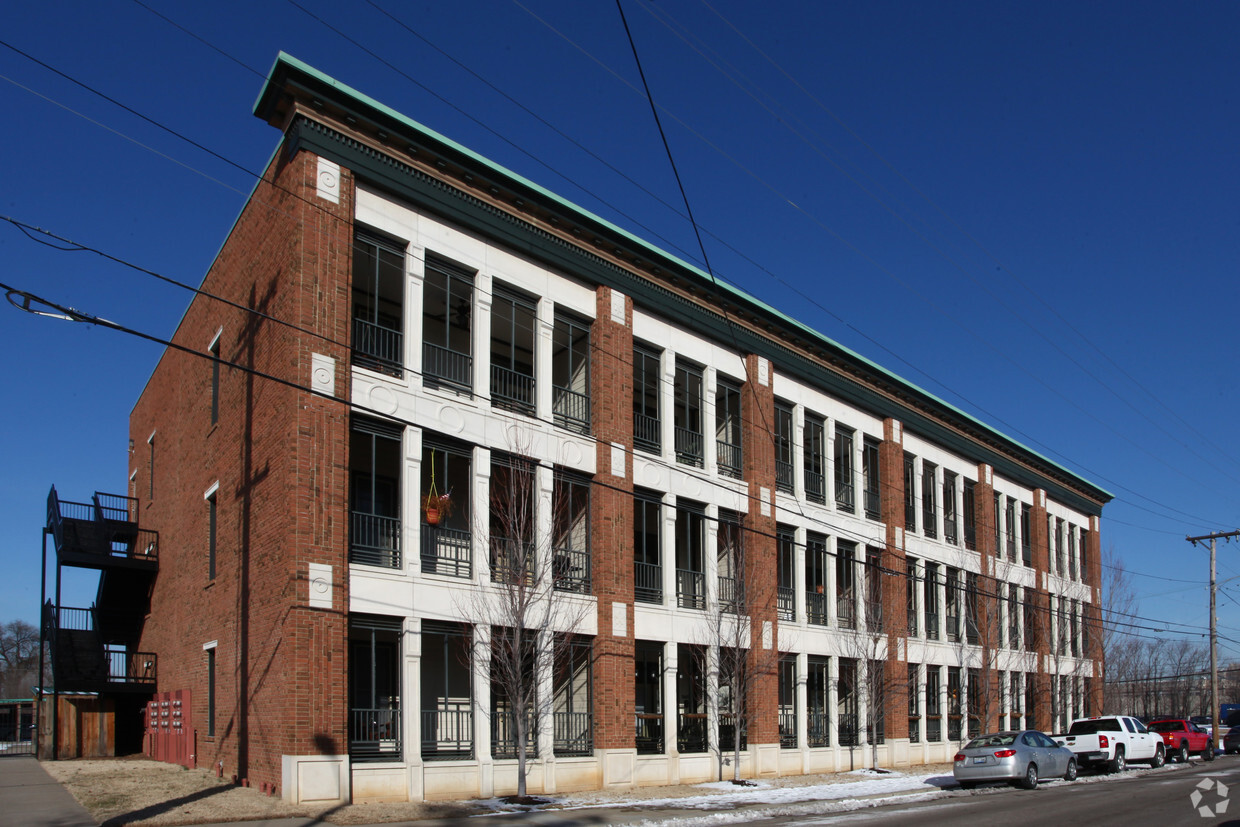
93 649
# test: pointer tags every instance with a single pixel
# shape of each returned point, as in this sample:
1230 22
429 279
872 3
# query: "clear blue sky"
1029 210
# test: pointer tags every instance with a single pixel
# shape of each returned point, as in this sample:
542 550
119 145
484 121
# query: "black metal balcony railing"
815 487
932 625
929 525
647 582
934 728
787 728
912 621
512 390
374 734
729 459
1026 552
447 734
849 734
874 615
818 729
689 449
727 732
816 608
649 733
511 563
953 727
570 570
504 735
374 540
846 611
130 667
690 589
949 530
914 729
105 527
873 504
731 594
971 631
691 732
970 536
574 733
378 347
953 627
786 603
784 476
443 366
845 496
446 551
571 409
646 433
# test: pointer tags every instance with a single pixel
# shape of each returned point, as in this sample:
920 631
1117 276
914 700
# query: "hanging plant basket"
437 508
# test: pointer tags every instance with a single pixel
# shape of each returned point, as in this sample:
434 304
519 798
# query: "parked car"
1204 722
1021 758
1231 741
1112 741
1182 738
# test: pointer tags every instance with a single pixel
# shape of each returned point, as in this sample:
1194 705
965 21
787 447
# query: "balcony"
872 504
571 409
82 662
815 487
504 735
846 611
374 734
816 608
647 582
570 570
378 348
731 594
784 476
786 603
101 534
442 366
689 447
818 729
690 589
932 625
691 736
646 433
446 551
729 458
447 734
649 733
512 390
574 733
845 496
787 727
374 540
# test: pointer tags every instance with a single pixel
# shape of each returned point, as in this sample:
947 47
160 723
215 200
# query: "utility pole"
1213 537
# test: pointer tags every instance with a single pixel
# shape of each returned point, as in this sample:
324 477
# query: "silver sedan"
1021 758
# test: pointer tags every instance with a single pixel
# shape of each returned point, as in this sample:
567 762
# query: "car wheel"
1208 754
1030 781
1118 764
1182 754
1160 757
1070 775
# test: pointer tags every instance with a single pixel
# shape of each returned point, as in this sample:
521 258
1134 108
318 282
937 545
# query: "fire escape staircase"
94 649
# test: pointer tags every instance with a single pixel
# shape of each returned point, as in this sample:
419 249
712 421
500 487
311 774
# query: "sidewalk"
29 797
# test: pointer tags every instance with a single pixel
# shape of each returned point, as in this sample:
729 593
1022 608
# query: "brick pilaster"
893 559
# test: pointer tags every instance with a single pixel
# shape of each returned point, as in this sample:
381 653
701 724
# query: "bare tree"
539 572
19 658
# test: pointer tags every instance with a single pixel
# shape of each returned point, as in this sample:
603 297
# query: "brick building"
394 318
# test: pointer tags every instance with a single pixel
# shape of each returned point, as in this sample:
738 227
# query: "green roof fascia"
286 65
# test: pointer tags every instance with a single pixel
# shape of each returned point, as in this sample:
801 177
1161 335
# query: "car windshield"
1164 726
999 739
1095 725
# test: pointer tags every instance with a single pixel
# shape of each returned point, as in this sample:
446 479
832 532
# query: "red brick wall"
280 457
893 559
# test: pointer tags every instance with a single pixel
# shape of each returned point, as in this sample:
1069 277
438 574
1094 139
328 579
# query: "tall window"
949 508
910 594
378 304
646 426
647 559
730 560
691 715
970 515
648 696
728 428
871 475
972 607
214 352
1061 567
783 447
846 703
1029 621
929 515
150 467
845 499
211 532
374 476
931 591
512 668
446 523
374 688
690 563
846 583
873 590
573 697
511 512
1072 552
1084 548
447 325
910 493
954 703
952 599
934 708
513 320
1013 617
787 702
211 692
999 512
914 705
785 544
816 562
447 692
570 373
815 459
571 562
817 701
1026 546
1010 525
688 414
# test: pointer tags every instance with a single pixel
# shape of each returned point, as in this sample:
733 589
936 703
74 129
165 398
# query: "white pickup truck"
1112 741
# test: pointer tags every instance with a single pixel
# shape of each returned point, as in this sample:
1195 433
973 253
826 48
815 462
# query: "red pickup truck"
1182 738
